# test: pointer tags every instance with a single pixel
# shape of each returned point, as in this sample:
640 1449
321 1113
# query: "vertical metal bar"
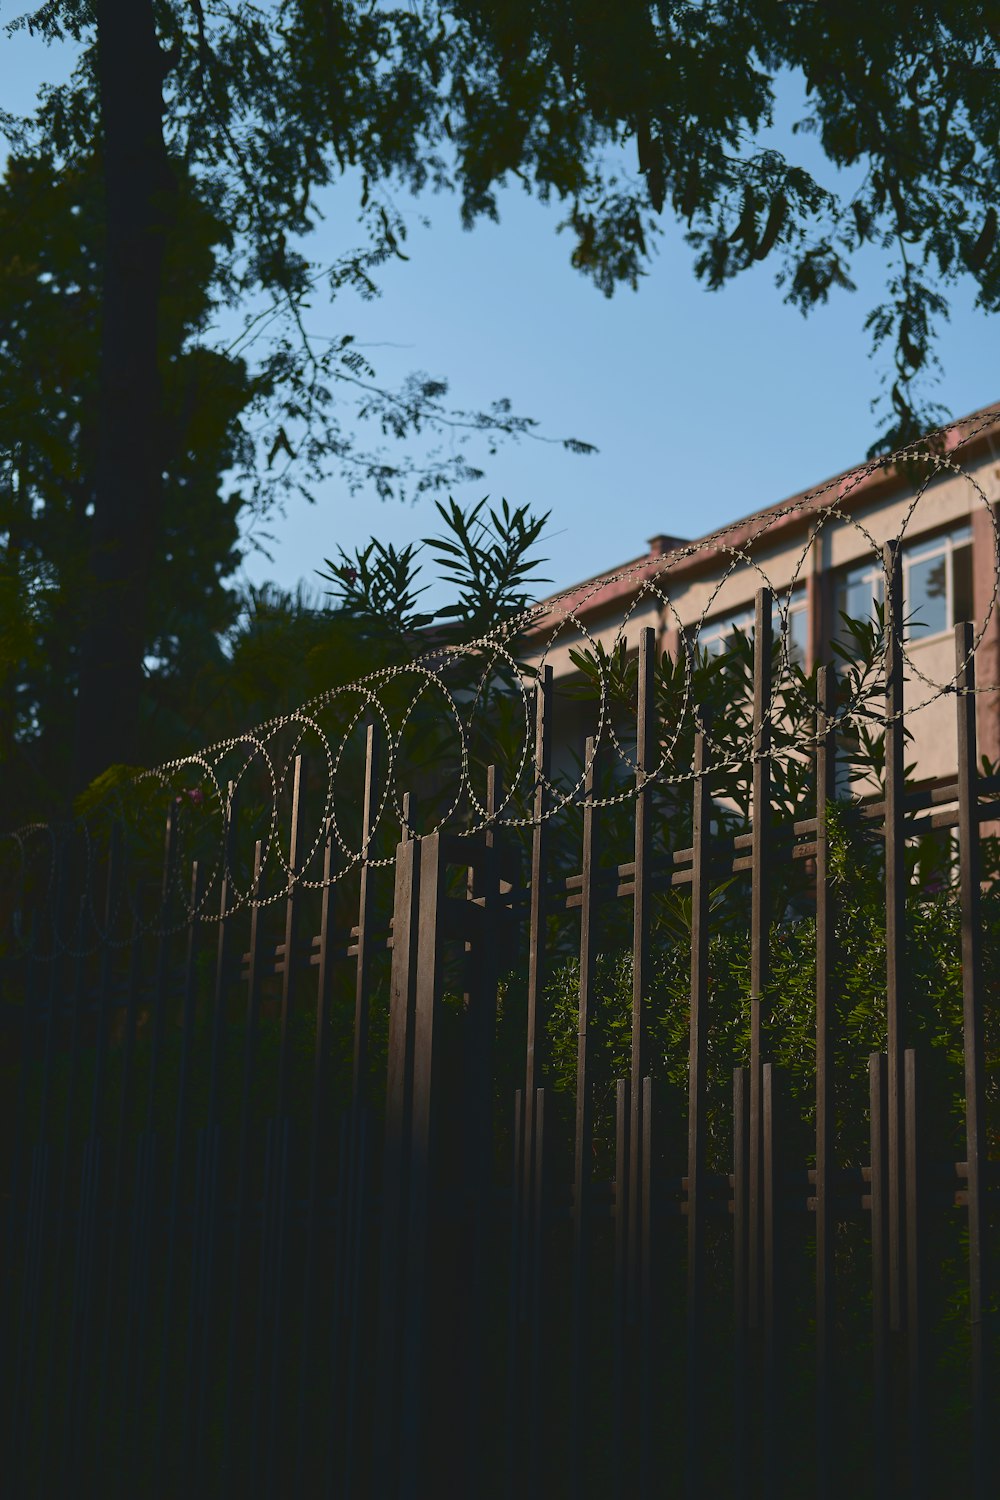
645 759
825 1216
162 968
318 1179
538 906
396 1158
39 1209
760 918
54 997
973 1054
143 1241
292 904
586 1025
526 1355
881 1431
539 1210
771 1424
223 958
647 1327
90 1216
241 1196
629 1133
106 979
622 1450
277 1188
357 1194
515 1393
476 1278
895 917
422 1176
59 1402
188 1022
741 1373
697 1094
9 1332
913 1166
116 1224
362 988
205 1309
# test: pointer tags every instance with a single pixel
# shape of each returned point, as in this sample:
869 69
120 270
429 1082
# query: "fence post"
741 1394
205 1308
395 1184
421 1176
882 1436
760 915
697 1098
477 1268
355 1190
972 1015
583 1165
915 1311
279 1187
826 742
525 1385
895 922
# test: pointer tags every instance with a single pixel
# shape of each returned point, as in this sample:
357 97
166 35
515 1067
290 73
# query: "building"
821 554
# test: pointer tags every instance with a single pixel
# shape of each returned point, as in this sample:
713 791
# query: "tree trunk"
140 192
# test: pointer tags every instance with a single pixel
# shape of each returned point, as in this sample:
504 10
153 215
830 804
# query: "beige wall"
829 542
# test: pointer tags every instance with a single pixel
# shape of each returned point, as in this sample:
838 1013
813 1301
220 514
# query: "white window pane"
719 636
798 636
917 550
857 595
926 604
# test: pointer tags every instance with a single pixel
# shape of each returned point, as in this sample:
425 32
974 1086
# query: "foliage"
285 649
483 556
723 686
50 330
251 120
267 107
624 115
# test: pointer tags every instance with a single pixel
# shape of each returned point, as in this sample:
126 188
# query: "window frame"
716 630
943 543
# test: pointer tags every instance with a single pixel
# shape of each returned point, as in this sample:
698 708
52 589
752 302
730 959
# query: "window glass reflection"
857 594
798 636
927 596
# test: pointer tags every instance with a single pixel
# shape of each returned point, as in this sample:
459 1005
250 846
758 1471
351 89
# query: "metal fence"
328 1186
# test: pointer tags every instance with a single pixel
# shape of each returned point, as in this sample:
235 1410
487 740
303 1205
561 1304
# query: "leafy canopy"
629 116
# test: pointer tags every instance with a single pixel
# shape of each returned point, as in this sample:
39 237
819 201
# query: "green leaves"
979 252
486 555
378 583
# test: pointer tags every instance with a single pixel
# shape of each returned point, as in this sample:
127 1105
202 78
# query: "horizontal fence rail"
629 1132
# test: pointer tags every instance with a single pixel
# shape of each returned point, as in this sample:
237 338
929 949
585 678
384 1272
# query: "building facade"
821 554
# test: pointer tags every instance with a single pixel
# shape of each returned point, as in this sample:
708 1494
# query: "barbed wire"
459 687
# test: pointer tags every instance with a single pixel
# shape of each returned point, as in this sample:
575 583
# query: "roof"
850 489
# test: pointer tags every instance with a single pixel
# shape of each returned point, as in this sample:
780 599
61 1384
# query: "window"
717 635
937 586
937 583
798 629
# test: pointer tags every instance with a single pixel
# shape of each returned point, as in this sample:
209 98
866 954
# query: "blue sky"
705 406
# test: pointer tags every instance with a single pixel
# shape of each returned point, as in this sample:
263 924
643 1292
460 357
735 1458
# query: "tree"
267 106
50 297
